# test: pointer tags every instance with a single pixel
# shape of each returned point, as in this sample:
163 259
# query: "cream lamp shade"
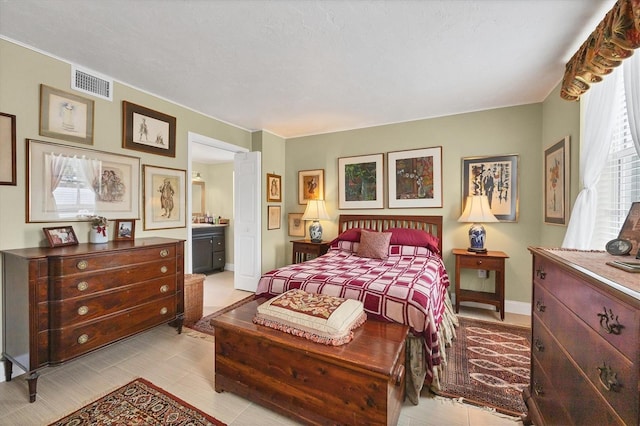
315 212
477 211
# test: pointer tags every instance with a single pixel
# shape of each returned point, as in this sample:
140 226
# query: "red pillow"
352 235
414 237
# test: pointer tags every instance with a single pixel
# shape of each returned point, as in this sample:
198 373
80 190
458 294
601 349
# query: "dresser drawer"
69 342
97 262
80 285
81 309
479 262
545 396
595 308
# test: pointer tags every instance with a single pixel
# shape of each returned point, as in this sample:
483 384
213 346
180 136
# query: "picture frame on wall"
165 195
65 116
274 188
415 178
58 175
360 182
7 149
273 217
497 178
557 177
59 236
296 225
310 185
147 130
125 230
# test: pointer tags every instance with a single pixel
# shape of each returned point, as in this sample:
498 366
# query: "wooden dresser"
585 340
60 303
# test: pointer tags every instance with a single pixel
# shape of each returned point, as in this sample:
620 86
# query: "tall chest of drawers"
60 303
585 350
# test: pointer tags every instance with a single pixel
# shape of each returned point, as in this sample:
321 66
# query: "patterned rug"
138 403
203 325
488 365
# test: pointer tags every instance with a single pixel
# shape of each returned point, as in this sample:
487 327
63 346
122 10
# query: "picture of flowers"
360 182
556 183
415 178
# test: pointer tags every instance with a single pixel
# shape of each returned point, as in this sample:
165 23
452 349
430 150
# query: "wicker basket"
193 297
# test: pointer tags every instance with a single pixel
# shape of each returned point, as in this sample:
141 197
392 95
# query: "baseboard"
511 306
229 267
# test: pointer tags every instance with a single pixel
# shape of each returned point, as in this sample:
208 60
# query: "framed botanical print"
273 217
7 149
65 116
296 225
165 195
557 175
274 188
360 183
497 178
310 185
147 130
415 178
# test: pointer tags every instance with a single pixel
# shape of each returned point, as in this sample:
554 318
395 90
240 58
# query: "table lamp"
477 211
315 211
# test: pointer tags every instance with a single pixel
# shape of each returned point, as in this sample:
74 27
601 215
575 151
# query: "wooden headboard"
430 224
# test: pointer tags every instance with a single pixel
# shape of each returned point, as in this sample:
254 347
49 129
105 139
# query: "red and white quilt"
409 286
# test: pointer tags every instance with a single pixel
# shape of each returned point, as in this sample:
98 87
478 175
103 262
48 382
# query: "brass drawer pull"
163 311
610 328
164 253
83 310
538 345
164 288
540 307
83 339
82 285
608 379
82 265
164 269
541 273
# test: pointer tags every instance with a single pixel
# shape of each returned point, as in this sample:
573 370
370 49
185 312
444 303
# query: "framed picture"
7 149
497 178
125 230
65 116
273 217
415 178
360 182
60 236
147 130
274 188
631 228
310 185
67 183
296 225
165 195
557 174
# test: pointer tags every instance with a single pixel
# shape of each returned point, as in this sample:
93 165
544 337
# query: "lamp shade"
315 211
477 211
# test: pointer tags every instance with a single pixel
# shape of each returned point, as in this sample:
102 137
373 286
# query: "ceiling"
297 68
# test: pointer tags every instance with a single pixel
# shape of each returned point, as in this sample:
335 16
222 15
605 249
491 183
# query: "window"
619 183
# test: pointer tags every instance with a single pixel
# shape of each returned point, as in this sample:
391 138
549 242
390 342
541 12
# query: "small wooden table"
489 261
305 250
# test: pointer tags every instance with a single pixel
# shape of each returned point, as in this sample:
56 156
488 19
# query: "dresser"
208 248
60 303
585 340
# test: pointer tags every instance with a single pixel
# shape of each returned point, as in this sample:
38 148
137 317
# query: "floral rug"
203 325
488 365
138 403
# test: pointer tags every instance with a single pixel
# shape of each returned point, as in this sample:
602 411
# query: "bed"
403 281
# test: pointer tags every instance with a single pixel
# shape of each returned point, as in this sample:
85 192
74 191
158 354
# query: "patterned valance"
613 40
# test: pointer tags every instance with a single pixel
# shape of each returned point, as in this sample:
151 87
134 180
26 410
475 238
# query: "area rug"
488 365
203 325
138 403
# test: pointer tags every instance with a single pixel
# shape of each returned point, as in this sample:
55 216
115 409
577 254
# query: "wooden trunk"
361 382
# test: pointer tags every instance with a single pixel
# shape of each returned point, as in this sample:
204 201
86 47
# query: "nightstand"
306 250
489 261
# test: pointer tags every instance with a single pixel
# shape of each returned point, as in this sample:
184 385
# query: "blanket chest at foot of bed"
361 382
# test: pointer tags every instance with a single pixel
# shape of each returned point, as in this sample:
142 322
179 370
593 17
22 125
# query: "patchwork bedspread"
409 286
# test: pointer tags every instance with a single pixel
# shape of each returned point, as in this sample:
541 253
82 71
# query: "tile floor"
183 365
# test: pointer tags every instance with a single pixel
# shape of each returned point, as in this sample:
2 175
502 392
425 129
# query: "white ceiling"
296 68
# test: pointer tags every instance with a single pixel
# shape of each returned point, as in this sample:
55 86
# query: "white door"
247 213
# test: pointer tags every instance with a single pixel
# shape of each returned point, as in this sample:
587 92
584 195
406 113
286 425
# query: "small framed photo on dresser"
59 236
125 230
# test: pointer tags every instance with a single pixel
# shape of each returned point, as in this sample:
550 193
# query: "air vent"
92 83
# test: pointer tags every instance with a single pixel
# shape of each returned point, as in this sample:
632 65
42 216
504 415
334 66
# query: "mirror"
197 199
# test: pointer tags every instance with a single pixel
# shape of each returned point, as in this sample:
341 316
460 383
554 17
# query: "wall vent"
92 83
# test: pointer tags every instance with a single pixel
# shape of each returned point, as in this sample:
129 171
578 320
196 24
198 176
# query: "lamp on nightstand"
315 211
477 211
